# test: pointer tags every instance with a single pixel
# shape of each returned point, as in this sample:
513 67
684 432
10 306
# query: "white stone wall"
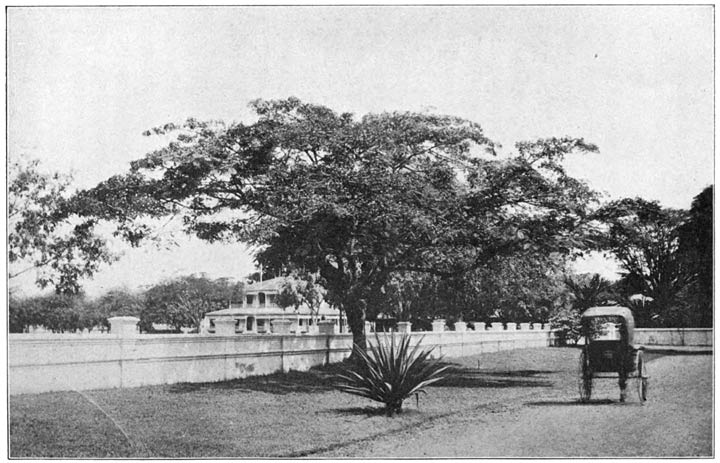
465 343
674 336
42 363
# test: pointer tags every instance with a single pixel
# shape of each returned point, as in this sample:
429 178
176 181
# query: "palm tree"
589 291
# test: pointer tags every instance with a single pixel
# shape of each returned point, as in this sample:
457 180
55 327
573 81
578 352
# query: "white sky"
84 83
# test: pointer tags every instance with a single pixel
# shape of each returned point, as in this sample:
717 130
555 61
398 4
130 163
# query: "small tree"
586 291
302 290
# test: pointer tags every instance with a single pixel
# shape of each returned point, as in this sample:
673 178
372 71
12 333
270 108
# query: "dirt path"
675 421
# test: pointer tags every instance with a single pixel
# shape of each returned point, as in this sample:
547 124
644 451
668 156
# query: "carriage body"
608 351
608 333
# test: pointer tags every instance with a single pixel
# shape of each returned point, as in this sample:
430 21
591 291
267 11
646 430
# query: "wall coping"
673 329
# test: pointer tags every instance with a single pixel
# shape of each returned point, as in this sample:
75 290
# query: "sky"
83 84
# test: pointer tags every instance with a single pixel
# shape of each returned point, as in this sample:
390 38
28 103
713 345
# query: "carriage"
609 352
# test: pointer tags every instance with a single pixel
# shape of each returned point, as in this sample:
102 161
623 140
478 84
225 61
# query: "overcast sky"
84 83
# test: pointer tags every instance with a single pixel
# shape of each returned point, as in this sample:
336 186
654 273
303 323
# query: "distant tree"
517 288
45 235
184 301
22 314
116 302
59 313
356 200
645 239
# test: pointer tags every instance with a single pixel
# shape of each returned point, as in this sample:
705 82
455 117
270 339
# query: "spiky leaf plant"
391 372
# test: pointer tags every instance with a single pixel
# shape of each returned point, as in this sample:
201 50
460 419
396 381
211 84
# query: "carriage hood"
614 311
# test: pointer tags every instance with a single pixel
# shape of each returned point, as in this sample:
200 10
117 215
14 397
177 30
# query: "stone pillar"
281 326
438 325
511 326
326 327
496 326
124 327
224 326
479 326
460 326
525 326
404 327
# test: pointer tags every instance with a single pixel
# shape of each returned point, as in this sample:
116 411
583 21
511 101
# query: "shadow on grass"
322 379
361 411
315 380
473 378
577 402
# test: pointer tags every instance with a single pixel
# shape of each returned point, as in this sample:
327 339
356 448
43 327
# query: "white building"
259 308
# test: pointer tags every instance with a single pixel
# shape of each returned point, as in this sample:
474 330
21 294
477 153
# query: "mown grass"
281 415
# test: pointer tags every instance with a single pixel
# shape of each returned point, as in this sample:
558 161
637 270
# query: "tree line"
175 303
415 213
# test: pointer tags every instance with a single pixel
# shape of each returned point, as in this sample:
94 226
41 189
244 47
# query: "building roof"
272 285
608 311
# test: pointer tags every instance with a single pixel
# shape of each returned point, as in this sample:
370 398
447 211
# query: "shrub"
566 323
391 372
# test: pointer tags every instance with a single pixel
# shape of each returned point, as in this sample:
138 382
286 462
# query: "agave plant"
391 372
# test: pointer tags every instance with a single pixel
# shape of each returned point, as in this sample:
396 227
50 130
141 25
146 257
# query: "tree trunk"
355 312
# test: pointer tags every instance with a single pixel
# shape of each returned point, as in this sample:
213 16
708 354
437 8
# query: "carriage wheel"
641 380
585 377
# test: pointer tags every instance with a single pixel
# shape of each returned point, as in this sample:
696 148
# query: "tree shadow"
361 411
578 402
323 378
315 380
473 378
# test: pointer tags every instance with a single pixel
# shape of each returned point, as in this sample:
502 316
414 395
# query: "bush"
566 323
391 373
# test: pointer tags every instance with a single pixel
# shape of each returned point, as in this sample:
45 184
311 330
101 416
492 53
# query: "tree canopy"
44 233
184 301
696 247
355 200
646 240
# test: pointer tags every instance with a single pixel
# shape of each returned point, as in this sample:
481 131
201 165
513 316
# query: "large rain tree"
354 200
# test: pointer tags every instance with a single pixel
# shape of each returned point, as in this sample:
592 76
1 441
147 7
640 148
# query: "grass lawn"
281 415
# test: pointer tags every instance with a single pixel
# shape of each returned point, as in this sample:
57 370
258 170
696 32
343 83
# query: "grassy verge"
282 415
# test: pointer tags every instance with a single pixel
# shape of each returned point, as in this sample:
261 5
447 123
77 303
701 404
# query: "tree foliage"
516 288
356 200
59 313
302 290
184 301
44 233
696 248
584 291
645 239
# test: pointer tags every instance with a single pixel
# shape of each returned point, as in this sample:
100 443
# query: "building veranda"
259 312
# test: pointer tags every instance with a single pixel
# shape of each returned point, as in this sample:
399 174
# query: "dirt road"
675 421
